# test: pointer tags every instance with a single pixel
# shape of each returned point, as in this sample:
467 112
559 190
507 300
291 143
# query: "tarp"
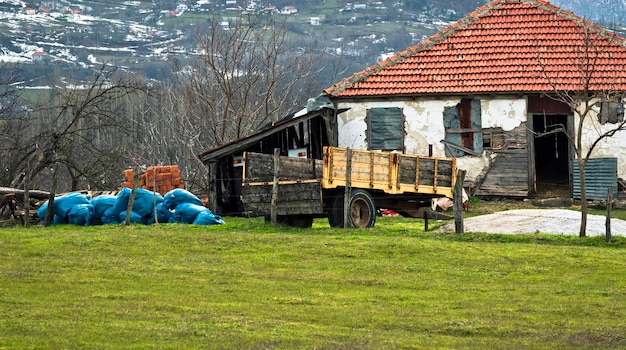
79 209
177 196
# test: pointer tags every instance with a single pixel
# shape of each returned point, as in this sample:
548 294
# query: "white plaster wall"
613 147
504 113
424 125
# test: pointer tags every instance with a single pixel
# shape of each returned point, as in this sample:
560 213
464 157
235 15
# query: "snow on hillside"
43 33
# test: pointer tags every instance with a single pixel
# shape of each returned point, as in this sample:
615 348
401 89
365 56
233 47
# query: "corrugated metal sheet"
600 174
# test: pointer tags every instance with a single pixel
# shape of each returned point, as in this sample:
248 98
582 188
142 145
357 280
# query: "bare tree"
594 95
79 130
14 125
247 74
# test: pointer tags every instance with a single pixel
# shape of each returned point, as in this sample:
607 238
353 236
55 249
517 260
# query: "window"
385 129
463 128
611 112
493 138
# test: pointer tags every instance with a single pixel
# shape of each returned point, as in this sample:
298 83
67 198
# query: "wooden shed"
301 134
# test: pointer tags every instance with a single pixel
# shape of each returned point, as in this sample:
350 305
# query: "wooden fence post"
213 187
27 196
609 203
131 199
154 196
50 210
274 203
458 202
347 189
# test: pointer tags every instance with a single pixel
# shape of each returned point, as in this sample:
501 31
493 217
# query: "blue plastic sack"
121 202
135 218
101 204
207 218
163 214
41 214
108 217
145 201
61 207
80 214
64 203
143 204
178 196
186 213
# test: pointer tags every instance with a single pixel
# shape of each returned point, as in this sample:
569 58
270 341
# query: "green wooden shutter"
385 129
451 121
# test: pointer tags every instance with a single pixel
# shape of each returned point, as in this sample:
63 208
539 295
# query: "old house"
485 91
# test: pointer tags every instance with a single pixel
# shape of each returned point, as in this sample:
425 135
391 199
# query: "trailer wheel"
335 212
362 210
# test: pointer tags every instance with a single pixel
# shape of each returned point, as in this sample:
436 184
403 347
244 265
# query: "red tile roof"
505 46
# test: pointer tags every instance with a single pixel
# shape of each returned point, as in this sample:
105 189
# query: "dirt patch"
553 221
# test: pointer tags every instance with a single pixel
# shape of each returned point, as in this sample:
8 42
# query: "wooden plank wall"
259 167
392 173
507 176
299 189
293 199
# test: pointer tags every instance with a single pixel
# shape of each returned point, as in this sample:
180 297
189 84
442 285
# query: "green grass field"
249 285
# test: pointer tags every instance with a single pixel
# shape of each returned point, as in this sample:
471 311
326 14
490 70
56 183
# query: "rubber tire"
362 210
335 211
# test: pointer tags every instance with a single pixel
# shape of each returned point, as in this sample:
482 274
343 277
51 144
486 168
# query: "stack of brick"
161 179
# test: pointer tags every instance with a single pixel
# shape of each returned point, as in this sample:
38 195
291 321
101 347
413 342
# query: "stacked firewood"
13 207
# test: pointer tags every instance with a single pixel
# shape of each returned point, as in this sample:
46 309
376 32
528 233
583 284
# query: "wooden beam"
458 202
461 148
346 198
274 206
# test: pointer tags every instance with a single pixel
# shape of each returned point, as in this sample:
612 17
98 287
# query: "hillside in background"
608 13
52 39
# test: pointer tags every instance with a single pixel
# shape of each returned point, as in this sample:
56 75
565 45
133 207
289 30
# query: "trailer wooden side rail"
392 173
309 188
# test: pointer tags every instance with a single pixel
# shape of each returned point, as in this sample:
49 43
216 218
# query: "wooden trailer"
300 189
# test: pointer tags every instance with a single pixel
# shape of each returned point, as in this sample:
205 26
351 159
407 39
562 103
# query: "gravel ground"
555 221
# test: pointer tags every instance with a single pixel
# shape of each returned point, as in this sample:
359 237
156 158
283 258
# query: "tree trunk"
607 224
583 200
274 203
53 189
27 197
458 202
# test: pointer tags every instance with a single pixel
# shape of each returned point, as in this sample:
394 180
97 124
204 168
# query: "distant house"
288 10
482 89
44 9
30 11
271 9
315 21
38 56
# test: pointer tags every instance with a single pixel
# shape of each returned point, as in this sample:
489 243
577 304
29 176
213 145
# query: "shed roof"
315 107
505 46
